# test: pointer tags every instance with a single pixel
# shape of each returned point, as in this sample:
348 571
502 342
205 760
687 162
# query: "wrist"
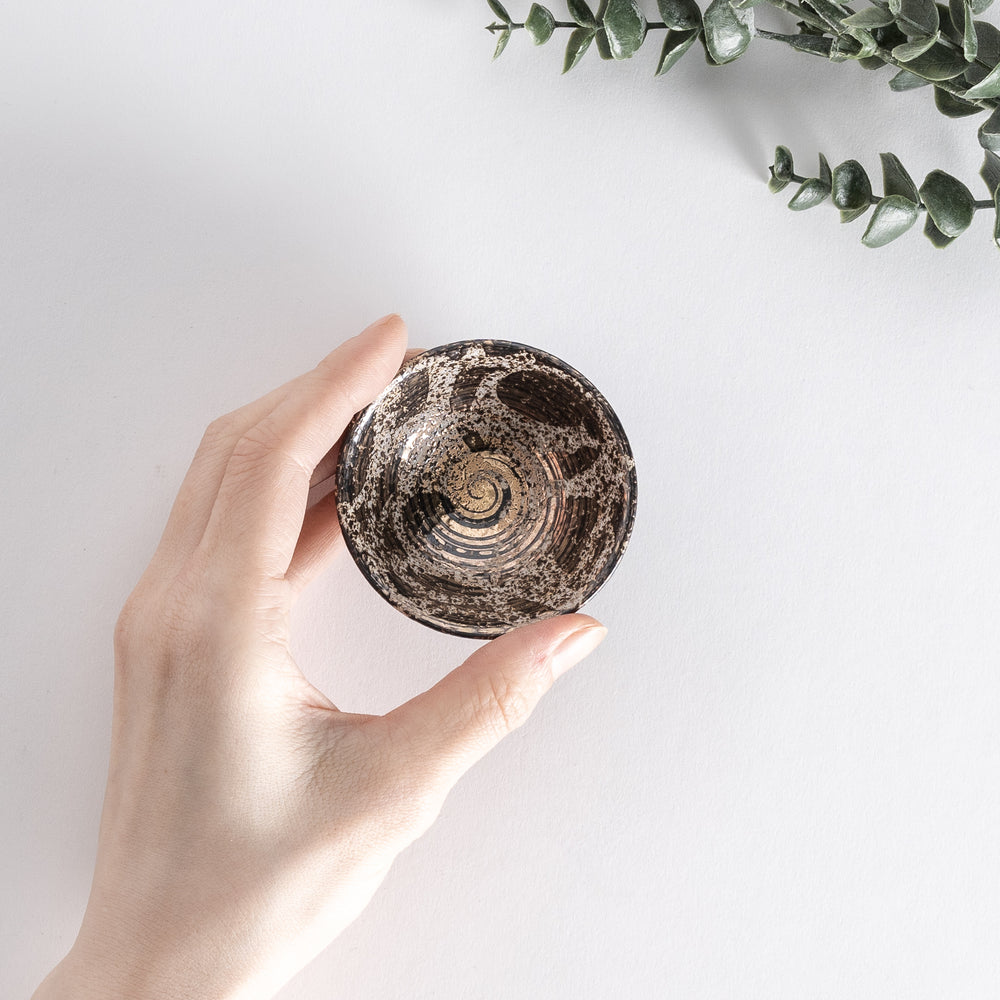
138 974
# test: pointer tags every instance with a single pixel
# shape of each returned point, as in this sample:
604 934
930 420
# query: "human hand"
247 820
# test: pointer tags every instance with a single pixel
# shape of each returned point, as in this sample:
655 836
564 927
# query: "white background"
780 775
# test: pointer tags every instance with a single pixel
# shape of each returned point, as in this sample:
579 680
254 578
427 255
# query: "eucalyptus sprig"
942 46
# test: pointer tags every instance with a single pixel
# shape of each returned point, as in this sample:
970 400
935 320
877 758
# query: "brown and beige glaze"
489 485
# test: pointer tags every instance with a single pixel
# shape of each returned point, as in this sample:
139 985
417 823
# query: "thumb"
473 708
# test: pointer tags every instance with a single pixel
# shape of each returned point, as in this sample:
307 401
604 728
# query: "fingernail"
575 647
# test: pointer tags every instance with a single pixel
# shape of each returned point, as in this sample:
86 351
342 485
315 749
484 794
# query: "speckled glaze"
488 486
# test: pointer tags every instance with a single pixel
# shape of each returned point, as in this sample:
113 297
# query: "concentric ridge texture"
489 485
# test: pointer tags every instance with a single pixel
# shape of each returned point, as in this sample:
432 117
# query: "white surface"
779 776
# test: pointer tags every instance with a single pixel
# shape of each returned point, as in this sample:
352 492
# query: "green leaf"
990 172
978 6
578 43
988 87
783 166
970 40
916 47
949 202
727 31
825 174
603 46
996 221
916 17
854 213
680 15
889 36
938 63
893 215
817 45
989 132
954 107
870 17
851 189
939 239
988 39
866 47
870 62
582 14
626 27
501 43
810 193
540 23
896 179
832 13
905 80
674 46
498 9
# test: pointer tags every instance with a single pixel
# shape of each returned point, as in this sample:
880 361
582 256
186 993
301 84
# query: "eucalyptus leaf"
727 31
892 217
956 14
680 15
578 43
603 46
674 46
970 40
582 14
810 193
846 47
990 172
776 184
819 45
938 63
867 46
540 23
989 132
832 13
825 174
996 218
502 41
870 62
870 17
952 28
949 202
896 178
916 47
498 9
783 166
854 213
905 80
626 27
954 107
851 189
939 239
988 39
988 87
890 36
916 17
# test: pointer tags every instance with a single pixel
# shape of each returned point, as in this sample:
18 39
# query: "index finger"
258 511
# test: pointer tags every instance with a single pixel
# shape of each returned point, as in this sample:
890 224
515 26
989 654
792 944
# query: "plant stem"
874 199
789 7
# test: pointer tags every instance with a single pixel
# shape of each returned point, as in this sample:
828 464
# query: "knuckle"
262 448
126 627
222 430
